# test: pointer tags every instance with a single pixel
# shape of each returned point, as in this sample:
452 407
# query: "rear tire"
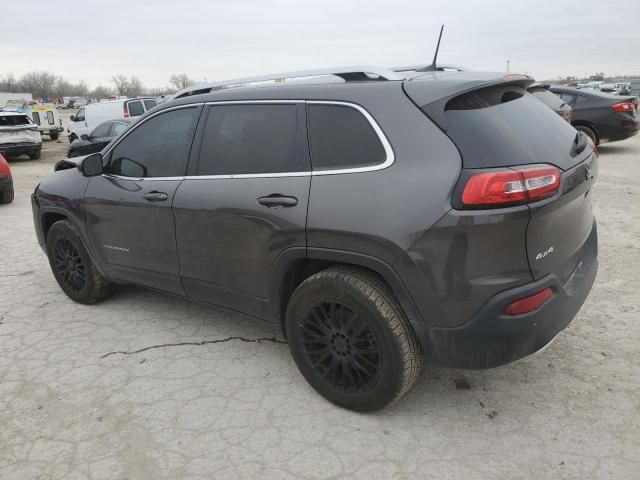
72 267
589 132
54 135
351 340
6 196
35 155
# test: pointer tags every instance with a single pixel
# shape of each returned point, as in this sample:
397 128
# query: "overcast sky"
152 39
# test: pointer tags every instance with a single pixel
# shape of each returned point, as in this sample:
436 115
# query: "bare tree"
100 92
39 84
8 83
181 81
122 84
135 87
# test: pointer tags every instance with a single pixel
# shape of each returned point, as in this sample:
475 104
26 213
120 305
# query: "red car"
6 182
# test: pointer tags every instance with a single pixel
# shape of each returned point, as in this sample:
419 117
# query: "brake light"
625 107
530 303
5 171
126 110
511 187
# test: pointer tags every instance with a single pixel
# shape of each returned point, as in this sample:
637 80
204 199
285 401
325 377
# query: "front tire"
6 196
351 340
72 267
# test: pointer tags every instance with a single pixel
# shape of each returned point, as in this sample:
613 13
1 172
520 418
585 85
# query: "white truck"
90 116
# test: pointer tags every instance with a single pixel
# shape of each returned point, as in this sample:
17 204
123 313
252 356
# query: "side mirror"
84 136
92 165
72 118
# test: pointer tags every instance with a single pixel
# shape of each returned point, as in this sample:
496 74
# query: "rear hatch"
501 129
17 128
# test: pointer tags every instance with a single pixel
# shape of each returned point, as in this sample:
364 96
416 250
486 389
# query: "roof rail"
440 68
359 73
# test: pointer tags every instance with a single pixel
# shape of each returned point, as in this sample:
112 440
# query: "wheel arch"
585 123
295 265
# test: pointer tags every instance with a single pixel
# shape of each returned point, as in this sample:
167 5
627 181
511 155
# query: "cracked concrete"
211 394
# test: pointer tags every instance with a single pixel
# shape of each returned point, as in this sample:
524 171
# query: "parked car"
47 119
6 182
378 221
98 138
19 135
93 114
542 93
602 116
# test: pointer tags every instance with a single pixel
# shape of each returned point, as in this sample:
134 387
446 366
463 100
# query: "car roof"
441 84
11 114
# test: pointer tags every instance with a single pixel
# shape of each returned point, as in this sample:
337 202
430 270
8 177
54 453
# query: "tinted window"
35 116
117 128
14 120
135 109
341 137
548 98
149 104
157 148
79 116
244 139
102 130
568 97
50 117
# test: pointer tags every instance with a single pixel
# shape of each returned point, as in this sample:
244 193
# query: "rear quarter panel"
382 213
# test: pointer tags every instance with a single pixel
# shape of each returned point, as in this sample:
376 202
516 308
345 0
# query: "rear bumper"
6 183
19 148
491 338
624 129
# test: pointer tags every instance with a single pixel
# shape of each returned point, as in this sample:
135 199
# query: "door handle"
155 196
276 200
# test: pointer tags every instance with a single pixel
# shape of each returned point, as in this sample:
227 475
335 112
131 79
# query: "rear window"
504 125
35 116
252 139
548 98
14 120
50 120
135 109
341 137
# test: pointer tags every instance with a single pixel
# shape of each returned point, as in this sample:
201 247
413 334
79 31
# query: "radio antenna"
433 67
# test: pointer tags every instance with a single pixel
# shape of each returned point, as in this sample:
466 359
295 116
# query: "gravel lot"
164 407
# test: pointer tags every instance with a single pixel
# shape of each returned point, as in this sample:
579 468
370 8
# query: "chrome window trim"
389 160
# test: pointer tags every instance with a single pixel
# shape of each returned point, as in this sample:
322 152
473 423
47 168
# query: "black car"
378 221
542 93
99 138
602 116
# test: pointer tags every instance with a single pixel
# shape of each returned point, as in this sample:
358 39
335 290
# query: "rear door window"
341 137
50 119
252 139
35 116
135 109
149 104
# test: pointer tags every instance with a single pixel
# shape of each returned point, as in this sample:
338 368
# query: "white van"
47 118
90 116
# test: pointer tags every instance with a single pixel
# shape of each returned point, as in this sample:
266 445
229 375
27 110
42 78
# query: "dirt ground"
162 407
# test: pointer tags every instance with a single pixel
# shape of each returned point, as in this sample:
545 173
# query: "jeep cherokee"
379 220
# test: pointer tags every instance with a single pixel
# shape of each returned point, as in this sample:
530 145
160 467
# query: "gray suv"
381 220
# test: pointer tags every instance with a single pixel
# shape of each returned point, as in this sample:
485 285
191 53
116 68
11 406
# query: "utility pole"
508 62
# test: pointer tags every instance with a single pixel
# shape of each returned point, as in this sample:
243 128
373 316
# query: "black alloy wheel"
341 346
68 265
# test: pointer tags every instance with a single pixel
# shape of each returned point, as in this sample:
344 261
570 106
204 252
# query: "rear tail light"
5 171
530 303
511 187
125 110
625 107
